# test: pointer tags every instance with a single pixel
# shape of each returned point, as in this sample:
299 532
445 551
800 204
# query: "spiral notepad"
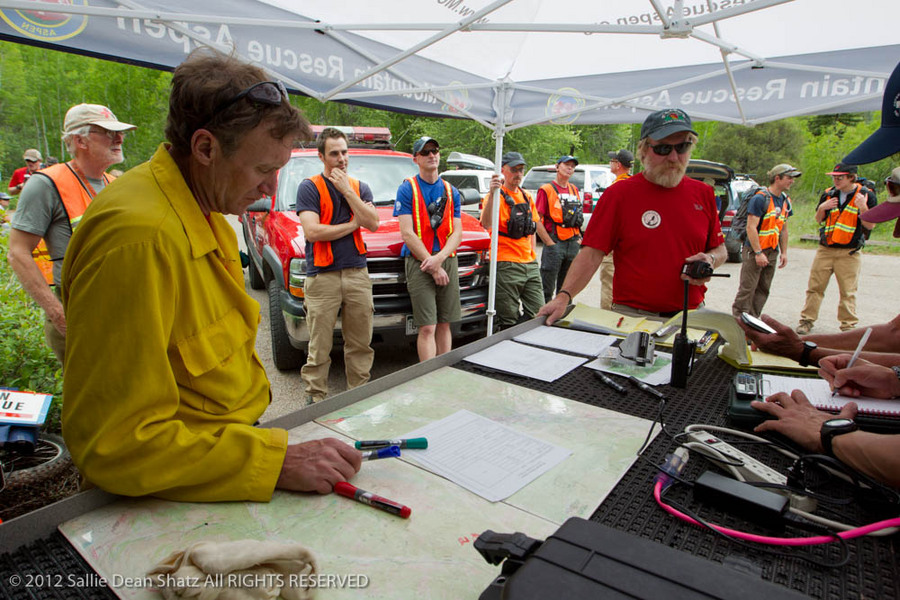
819 394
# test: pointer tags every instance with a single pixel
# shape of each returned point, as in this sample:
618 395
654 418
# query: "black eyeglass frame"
255 94
666 149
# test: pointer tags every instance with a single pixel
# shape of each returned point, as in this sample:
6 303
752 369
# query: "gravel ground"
878 300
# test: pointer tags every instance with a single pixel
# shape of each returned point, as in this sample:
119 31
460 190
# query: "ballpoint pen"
610 382
647 388
856 353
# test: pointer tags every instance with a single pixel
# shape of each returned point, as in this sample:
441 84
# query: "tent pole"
499 131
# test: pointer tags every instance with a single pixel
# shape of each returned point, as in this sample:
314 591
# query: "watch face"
837 423
810 345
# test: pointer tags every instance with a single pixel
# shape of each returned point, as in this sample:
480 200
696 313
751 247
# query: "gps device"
756 324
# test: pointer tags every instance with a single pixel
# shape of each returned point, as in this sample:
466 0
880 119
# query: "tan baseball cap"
32 154
94 114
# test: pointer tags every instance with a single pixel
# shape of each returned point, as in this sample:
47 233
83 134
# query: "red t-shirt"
651 230
18 176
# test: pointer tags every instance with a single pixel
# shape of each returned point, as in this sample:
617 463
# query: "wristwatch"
833 427
808 347
757 252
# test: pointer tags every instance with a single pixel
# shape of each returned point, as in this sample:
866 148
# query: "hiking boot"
310 399
848 327
804 327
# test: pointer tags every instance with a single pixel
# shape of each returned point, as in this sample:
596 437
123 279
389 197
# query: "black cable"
845 549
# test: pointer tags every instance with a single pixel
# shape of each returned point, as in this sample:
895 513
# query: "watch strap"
804 356
827 435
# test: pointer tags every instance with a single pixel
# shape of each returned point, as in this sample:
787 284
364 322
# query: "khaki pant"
756 282
845 267
607 270
350 292
517 282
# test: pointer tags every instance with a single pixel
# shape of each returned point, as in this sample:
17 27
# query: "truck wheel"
284 355
50 457
256 279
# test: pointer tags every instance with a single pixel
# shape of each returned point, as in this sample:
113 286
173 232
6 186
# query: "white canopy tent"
512 63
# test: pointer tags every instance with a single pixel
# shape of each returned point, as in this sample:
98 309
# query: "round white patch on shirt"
651 219
398 205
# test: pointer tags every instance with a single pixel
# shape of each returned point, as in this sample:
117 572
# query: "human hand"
496 182
440 276
340 180
784 342
431 263
699 257
554 309
782 260
58 318
830 203
797 419
862 379
762 260
317 465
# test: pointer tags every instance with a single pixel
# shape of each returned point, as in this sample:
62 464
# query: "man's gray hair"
69 137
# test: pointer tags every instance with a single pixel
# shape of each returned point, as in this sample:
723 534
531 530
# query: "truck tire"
284 355
256 279
50 457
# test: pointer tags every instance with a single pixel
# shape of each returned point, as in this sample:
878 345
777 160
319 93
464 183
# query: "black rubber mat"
49 569
873 570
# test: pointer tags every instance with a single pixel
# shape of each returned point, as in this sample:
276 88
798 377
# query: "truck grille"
389 275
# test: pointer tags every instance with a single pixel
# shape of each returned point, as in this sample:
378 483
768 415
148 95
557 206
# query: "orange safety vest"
421 218
322 255
772 222
563 233
840 224
76 194
508 249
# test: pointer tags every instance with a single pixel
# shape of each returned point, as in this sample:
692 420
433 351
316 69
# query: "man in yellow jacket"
163 384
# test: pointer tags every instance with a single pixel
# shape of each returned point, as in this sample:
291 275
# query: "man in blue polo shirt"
428 211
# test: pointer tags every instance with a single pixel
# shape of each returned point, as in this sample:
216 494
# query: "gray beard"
667 178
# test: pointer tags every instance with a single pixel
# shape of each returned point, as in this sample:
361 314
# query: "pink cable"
762 539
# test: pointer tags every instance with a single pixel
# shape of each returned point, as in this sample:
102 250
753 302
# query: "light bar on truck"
359 134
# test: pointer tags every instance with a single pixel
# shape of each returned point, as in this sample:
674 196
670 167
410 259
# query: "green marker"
413 444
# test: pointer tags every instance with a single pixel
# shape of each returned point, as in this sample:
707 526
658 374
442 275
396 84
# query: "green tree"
755 149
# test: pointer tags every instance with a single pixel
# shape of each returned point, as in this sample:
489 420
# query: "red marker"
619 324
351 491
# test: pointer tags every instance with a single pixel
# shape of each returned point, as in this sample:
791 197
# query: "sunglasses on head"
666 149
272 93
429 151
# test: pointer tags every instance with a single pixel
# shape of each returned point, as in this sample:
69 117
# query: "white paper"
527 361
659 373
483 456
818 392
570 340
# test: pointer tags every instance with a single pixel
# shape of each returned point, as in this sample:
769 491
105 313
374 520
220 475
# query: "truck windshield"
383 173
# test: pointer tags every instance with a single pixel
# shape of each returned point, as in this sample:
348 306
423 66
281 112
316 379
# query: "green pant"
517 283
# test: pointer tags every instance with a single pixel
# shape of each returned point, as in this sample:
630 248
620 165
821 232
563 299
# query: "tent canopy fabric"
511 63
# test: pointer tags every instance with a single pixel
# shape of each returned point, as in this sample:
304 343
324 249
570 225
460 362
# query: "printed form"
483 456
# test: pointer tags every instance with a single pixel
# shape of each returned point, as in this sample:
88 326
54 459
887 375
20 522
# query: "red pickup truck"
277 249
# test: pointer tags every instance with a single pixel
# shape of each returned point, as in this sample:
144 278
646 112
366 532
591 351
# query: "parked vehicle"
471 175
277 249
728 187
591 181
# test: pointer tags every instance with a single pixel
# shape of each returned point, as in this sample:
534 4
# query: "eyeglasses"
272 93
430 151
110 134
666 149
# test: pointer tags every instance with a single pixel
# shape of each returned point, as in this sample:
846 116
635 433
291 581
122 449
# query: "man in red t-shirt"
654 222
33 160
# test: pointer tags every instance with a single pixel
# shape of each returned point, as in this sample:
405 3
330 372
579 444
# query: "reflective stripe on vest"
772 222
421 219
840 224
563 233
76 194
322 255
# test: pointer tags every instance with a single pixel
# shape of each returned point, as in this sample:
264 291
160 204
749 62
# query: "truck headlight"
297 276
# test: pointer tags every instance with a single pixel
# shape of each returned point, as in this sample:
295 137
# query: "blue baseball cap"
420 143
513 159
886 139
566 158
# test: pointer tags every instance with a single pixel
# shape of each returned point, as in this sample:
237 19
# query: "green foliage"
26 362
40 85
754 149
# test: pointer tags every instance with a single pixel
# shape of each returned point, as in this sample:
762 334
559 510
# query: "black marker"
608 381
647 388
